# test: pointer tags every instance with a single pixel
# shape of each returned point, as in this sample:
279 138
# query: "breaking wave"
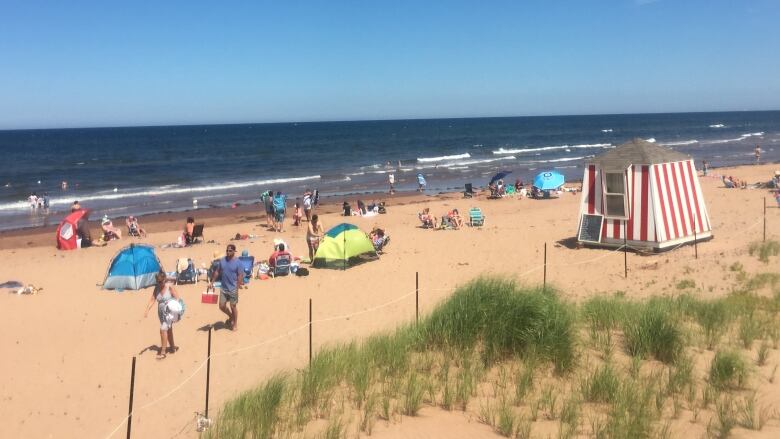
444 157
550 148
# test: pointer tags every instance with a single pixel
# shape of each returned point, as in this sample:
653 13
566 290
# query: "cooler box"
209 296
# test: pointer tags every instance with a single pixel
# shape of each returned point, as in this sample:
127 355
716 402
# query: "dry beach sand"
66 352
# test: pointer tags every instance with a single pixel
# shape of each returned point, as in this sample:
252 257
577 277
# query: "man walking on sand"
230 275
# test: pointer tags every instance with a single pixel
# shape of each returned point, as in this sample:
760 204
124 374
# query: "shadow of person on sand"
217 326
153 348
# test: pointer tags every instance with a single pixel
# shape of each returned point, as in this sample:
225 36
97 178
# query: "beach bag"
175 310
302 271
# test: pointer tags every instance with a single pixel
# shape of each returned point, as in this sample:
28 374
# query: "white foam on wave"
717 125
681 143
159 192
565 159
444 157
476 162
651 140
608 130
550 148
738 139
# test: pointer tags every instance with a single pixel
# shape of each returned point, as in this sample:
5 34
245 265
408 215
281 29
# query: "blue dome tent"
133 268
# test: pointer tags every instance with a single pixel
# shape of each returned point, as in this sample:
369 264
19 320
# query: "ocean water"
141 170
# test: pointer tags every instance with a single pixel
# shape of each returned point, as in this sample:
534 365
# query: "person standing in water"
758 154
391 179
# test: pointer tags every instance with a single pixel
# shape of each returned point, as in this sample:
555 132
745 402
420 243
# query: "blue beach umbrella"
549 180
499 176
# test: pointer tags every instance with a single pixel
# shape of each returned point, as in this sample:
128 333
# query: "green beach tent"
344 246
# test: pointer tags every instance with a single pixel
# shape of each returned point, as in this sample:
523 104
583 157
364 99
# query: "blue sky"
69 64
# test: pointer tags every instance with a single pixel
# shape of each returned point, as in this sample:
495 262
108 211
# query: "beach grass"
763 250
728 370
525 344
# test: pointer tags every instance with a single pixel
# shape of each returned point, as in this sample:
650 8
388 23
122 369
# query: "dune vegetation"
528 363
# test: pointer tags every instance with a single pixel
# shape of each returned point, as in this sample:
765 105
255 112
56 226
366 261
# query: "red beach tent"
644 194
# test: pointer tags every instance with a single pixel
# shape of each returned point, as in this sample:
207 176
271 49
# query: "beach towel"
280 203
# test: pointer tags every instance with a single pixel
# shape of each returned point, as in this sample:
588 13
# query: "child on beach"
297 214
162 294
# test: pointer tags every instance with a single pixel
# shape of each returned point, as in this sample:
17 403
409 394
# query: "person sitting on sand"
279 250
455 219
313 235
346 210
428 220
297 214
162 294
109 231
378 238
133 228
189 229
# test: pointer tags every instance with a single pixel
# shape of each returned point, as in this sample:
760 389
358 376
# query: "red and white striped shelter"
644 195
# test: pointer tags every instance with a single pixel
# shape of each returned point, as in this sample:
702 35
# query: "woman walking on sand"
313 235
162 294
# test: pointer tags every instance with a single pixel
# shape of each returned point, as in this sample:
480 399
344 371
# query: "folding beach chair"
186 272
469 191
282 267
197 233
476 218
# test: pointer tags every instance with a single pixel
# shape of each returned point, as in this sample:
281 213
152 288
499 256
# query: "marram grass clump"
506 320
728 370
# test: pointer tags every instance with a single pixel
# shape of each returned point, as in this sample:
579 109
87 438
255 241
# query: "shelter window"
615 193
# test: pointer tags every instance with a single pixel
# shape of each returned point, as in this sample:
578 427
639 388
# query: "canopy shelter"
643 195
68 230
549 180
343 246
499 176
132 268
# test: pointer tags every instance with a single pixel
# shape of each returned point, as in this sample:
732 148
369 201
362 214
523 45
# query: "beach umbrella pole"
130 408
310 332
764 219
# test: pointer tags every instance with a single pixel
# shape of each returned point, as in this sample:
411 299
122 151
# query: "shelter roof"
640 152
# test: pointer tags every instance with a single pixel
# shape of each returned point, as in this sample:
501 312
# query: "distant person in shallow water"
758 154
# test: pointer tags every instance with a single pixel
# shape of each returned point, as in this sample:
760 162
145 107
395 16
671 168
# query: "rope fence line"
348 316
